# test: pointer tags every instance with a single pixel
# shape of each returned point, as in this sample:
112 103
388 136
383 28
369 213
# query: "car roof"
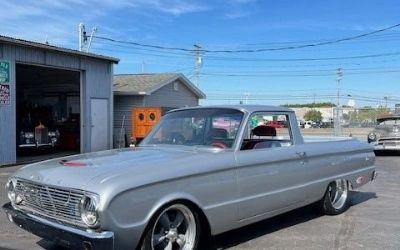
388 117
243 108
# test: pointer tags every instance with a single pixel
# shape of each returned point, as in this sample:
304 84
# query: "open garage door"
47 112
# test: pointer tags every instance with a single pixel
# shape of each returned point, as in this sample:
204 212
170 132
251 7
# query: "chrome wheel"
174 229
338 191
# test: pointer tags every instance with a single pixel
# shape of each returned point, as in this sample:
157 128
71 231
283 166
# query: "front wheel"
336 198
176 227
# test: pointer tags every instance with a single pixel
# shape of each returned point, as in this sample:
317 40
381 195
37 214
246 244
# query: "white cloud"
240 8
58 19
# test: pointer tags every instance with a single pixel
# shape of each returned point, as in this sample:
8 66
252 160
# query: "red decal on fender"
77 164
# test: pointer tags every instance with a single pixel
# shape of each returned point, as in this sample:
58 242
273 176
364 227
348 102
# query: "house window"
176 86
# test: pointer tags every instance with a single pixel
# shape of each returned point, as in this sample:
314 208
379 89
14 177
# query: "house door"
99 124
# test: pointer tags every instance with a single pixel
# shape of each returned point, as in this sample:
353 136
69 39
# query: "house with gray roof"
165 90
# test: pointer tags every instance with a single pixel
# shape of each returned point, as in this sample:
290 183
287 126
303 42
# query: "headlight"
51 133
89 213
10 187
12 195
371 137
28 135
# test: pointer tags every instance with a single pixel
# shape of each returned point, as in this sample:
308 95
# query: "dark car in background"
36 129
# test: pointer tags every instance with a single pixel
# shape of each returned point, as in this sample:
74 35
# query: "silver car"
201 171
386 135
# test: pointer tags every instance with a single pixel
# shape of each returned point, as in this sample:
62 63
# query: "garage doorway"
48 111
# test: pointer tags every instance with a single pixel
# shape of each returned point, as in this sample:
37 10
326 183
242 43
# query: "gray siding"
168 97
165 97
8 119
123 105
96 80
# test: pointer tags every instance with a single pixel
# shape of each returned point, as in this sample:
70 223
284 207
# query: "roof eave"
25 43
140 93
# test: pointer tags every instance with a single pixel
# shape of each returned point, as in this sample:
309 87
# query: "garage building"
163 91
51 92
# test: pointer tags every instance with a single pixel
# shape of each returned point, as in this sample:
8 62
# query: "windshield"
197 127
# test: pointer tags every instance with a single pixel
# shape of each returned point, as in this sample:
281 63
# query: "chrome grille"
57 203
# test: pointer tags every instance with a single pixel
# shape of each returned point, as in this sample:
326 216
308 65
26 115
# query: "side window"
267 130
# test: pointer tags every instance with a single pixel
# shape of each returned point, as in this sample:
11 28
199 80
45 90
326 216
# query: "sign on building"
4 71
5 95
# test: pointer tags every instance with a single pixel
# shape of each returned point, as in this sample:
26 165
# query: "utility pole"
143 66
83 37
198 62
246 95
338 128
386 101
314 102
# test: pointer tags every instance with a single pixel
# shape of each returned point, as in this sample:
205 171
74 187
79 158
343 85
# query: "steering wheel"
177 138
219 144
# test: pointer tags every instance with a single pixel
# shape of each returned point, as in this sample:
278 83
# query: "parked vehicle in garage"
386 134
36 128
39 136
188 177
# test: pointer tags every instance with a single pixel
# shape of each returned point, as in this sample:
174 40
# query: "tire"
176 226
336 198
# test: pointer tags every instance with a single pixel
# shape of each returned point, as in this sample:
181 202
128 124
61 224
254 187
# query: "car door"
270 178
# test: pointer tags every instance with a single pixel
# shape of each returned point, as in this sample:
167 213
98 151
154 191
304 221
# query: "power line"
303 59
242 59
249 50
297 75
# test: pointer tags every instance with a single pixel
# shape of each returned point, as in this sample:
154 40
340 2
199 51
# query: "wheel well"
204 223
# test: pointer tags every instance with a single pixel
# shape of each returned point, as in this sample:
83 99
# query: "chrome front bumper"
66 236
387 146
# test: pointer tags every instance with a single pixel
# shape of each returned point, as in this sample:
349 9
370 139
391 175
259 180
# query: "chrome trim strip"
88 233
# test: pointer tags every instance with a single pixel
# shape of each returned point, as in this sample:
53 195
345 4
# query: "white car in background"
308 124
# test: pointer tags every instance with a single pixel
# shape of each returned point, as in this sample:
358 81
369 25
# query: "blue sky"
273 77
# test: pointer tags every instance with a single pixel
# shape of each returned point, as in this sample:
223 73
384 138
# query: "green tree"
313 115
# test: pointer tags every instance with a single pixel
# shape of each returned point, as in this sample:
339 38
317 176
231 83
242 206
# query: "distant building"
327 113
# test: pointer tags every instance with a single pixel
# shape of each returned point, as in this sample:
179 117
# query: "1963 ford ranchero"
201 170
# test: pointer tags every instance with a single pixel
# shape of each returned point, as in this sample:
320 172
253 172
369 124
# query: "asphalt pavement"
372 222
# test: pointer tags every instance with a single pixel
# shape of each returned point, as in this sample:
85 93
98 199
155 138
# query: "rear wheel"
336 198
175 227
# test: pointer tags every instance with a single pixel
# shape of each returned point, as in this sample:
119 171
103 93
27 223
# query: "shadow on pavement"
360 197
241 235
387 152
48 245
298 216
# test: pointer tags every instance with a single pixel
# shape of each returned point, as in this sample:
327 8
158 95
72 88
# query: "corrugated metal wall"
7 114
164 97
96 79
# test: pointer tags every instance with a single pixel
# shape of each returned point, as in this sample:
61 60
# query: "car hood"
91 171
387 130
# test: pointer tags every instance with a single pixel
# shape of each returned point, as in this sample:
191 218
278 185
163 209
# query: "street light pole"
338 128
